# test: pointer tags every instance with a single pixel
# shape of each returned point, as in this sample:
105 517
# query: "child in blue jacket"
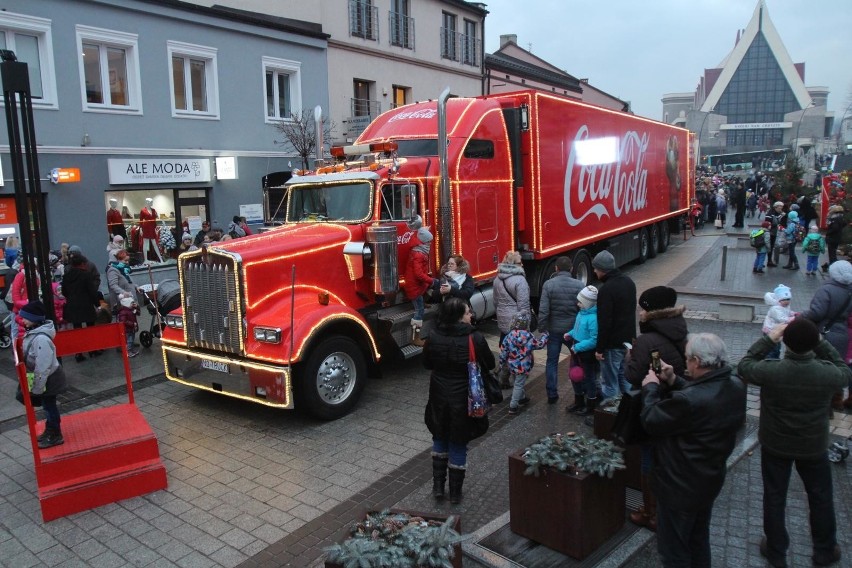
813 245
516 354
582 341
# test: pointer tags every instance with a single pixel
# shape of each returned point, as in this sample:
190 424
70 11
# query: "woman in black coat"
446 353
81 294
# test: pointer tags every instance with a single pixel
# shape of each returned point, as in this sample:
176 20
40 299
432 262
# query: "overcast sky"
641 50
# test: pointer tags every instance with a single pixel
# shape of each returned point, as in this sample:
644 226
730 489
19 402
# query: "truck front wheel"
330 382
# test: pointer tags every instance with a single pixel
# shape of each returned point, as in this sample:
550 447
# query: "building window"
193 80
31 41
469 44
363 19
109 70
361 103
401 25
448 37
282 88
400 95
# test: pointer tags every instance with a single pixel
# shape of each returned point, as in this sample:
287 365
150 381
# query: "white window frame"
294 70
110 38
209 55
41 28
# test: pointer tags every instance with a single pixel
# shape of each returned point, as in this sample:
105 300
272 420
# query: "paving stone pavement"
250 487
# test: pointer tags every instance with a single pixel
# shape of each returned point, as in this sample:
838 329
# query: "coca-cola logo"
404 238
422 113
608 186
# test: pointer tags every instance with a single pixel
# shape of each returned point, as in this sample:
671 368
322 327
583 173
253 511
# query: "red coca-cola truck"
299 315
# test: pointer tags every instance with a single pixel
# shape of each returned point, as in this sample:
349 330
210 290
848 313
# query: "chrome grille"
211 302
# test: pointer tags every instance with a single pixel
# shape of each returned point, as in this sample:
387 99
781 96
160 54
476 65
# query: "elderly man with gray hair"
693 423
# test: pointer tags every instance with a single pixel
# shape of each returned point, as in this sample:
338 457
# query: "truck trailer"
298 316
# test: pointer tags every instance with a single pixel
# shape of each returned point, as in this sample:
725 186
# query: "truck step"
410 351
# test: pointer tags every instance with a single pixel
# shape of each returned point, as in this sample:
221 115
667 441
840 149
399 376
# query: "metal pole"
724 261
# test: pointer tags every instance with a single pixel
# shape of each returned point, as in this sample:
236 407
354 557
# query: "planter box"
604 421
457 555
571 513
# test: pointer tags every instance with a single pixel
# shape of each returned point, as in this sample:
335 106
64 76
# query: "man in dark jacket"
556 313
693 425
616 323
833 231
794 398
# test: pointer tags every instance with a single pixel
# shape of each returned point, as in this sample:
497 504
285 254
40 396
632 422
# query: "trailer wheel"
665 236
653 241
5 341
583 267
330 382
644 246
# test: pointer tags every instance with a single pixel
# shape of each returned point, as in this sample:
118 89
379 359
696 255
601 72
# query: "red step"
109 454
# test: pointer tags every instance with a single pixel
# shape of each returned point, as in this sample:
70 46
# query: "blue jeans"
518 389
456 452
419 307
131 339
775 353
813 263
612 373
551 368
51 411
791 251
683 538
760 261
816 477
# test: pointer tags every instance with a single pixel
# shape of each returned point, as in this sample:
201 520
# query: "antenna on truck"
446 228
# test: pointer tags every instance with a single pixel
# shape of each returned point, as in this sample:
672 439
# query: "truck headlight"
267 334
175 322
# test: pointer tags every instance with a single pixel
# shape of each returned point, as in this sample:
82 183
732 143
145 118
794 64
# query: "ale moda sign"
755 125
149 170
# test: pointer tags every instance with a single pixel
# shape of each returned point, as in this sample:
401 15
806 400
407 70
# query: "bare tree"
301 136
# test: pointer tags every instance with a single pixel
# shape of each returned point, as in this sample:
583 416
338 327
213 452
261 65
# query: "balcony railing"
363 20
460 47
365 107
401 30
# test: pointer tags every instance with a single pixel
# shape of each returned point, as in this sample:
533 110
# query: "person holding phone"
662 332
455 282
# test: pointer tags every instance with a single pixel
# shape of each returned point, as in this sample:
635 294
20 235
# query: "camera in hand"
656 365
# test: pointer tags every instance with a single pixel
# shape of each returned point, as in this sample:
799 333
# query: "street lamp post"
798 128
700 130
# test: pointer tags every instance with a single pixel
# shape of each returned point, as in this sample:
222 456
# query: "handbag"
493 392
718 221
477 401
533 315
575 371
627 429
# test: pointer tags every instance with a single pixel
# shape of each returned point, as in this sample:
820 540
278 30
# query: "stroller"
159 300
6 277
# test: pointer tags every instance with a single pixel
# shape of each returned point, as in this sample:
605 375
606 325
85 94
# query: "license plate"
216 366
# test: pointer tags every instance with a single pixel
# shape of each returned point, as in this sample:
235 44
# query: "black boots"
646 514
579 405
456 482
591 405
49 438
439 476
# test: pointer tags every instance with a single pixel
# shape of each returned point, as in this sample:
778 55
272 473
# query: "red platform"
109 453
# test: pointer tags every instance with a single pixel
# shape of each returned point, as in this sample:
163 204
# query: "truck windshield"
348 201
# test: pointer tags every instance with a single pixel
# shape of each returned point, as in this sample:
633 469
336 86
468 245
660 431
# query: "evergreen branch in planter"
390 540
574 453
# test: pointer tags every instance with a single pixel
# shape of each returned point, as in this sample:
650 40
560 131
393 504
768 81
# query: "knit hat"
186 237
118 239
792 216
778 204
813 228
588 297
657 298
33 311
794 207
604 261
521 320
801 335
127 301
841 271
836 209
766 225
782 292
74 249
424 236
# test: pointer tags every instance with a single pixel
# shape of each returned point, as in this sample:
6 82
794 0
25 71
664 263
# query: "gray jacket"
118 285
511 294
40 358
831 305
558 307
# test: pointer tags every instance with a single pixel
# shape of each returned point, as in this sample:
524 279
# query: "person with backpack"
813 245
235 230
794 237
759 240
833 231
776 217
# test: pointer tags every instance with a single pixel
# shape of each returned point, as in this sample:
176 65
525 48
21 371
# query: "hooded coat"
40 358
446 354
661 330
511 294
831 305
417 279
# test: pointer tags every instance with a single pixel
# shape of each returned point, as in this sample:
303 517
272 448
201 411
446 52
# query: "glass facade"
758 92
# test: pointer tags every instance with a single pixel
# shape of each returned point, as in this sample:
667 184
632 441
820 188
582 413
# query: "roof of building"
502 62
